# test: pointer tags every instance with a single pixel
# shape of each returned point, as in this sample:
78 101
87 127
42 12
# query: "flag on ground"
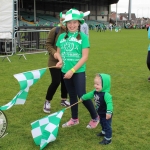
45 130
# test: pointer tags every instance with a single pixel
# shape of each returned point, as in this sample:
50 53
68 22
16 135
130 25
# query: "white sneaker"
65 103
47 106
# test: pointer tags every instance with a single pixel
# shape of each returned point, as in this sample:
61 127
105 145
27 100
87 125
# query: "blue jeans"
76 88
106 126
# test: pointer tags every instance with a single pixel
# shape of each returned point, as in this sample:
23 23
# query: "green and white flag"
18 99
45 130
22 96
27 79
10 104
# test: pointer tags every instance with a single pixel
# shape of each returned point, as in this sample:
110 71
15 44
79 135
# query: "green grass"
122 55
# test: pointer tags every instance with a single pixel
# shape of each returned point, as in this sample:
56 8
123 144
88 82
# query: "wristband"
73 70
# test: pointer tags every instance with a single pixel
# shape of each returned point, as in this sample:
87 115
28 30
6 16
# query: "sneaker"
93 123
105 142
65 103
47 106
71 122
149 79
100 134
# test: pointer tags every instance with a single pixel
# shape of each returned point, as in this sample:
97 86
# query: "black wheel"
3 123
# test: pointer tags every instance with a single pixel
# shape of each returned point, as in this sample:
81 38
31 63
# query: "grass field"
122 55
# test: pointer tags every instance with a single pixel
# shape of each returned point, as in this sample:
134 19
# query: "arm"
88 96
58 56
109 103
50 42
83 59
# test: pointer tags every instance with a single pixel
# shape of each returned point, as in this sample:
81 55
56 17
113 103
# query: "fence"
30 42
6 45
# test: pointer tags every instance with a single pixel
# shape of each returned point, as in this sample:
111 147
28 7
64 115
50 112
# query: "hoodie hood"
106 82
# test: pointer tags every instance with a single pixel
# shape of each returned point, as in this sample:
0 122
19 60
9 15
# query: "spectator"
56 75
84 28
148 54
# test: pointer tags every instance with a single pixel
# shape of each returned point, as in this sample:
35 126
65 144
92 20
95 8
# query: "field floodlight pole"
35 11
129 10
116 12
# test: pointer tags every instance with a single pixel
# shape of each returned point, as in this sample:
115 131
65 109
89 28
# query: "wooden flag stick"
53 67
74 104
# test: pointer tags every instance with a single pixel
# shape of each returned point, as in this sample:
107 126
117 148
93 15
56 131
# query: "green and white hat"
62 15
74 14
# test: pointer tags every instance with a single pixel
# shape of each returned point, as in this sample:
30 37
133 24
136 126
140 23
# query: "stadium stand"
29 17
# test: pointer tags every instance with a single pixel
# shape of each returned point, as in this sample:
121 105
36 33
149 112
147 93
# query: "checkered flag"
18 99
45 130
27 79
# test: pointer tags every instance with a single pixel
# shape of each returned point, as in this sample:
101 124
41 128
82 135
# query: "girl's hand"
108 116
59 64
68 75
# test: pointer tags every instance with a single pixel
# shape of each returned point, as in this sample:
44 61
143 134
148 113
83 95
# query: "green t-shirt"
71 50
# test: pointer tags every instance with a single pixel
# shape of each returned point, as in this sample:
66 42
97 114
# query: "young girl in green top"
72 53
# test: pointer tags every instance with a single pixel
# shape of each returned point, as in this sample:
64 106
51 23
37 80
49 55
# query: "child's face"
73 25
97 84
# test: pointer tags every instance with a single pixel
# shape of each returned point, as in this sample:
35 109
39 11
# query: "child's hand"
81 99
108 116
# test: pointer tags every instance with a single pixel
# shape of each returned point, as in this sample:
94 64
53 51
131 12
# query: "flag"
10 104
27 79
18 99
45 130
22 96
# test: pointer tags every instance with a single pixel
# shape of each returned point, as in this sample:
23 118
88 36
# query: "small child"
104 105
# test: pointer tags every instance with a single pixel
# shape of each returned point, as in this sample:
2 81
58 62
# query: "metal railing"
6 45
30 42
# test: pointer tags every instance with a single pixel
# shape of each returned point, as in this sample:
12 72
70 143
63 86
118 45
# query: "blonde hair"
97 75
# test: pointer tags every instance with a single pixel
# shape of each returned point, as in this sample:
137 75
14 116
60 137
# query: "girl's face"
97 84
73 25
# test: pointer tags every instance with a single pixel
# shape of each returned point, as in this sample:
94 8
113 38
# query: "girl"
72 53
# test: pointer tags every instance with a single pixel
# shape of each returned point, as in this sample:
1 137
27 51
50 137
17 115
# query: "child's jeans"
106 126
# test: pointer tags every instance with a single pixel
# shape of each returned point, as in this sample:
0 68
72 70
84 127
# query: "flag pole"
53 67
73 104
